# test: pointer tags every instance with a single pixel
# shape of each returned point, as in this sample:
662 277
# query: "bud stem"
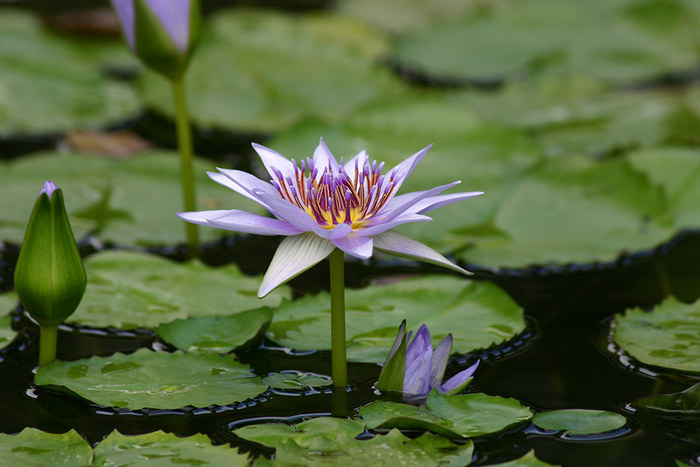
338 359
184 143
48 335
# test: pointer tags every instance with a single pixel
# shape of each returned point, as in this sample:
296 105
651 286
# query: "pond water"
565 359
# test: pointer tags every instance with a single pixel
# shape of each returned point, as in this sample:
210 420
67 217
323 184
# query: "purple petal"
125 14
239 221
404 169
323 158
294 255
383 227
439 363
174 15
360 159
417 378
243 183
397 207
459 379
419 345
48 188
434 202
400 245
274 159
354 245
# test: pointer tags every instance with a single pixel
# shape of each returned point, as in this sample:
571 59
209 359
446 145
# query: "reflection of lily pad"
137 290
573 210
528 460
468 415
261 71
160 449
579 421
155 379
291 379
8 301
478 314
215 333
667 337
35 447
49 84
129 202
677 414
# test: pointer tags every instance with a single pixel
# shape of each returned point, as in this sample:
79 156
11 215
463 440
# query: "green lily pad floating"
49 84
305 434
258 71
158 380
676 414
160 449
128 202
35 447
291 379
568 37
572 210
579 421
468 415
528 460
340 448
675 170
478 314
667 337
130 290
216 333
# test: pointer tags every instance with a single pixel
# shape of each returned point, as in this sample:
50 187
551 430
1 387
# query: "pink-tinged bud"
48 188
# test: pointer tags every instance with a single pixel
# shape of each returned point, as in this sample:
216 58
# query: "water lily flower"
162 33
320 205
49 276
414 368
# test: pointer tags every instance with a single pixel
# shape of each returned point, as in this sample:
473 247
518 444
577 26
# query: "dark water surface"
564 360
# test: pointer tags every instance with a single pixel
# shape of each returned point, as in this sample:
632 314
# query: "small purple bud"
48 188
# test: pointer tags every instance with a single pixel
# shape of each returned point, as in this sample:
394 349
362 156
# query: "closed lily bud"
162 33
413 368
49 277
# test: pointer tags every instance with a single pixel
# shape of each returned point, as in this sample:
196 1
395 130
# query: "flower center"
336 197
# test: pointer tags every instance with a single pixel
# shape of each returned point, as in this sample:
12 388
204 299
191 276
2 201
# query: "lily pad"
157 380
305 434
216 333
573 210
579 421
677 414
160 449
528 460
467 416
390 450
257 71
35 447
478 314
667 337
136 290
49 84
291 379
129 202
8 301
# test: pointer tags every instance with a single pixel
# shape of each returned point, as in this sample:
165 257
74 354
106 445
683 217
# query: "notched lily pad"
478 314
216 333
291 379
305 434
131 290
156 380
668 337
35 447
579 421
165 449
466 416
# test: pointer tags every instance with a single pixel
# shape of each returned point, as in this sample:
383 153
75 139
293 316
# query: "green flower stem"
184 143
338 360
48 335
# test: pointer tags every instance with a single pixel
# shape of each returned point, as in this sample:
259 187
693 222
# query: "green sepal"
460 388
394 369
49 277
154 46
